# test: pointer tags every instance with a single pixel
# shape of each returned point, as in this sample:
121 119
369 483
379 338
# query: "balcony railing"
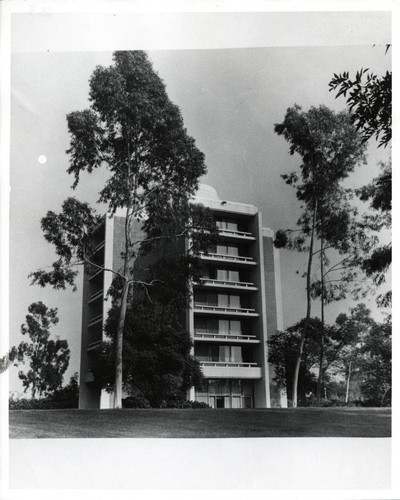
235 233
228 364
95 296
229 310
95 320
209 335
99 247
97 273
227 284
94 345
228 258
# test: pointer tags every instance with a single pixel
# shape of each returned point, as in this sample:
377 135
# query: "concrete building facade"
235 307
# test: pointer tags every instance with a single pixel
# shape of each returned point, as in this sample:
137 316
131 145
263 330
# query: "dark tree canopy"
157 347
376 364
328 145
354 338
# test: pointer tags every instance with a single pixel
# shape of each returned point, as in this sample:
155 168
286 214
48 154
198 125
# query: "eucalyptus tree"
134 131
329 148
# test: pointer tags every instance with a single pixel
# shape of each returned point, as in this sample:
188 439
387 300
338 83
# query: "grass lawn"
172 423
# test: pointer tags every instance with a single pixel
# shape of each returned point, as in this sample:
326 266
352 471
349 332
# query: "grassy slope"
302 422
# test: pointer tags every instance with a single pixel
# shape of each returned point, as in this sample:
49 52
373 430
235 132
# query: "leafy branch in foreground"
369 99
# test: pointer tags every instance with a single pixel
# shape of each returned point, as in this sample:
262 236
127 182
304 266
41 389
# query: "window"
235 327
236 354
230 353
219 353
227 224
206 325
232 250
206 299
222 274
230 327
225 300
227 275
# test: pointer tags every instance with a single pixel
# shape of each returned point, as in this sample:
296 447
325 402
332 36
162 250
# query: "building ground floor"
223 393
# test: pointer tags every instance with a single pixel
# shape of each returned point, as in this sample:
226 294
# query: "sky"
230 94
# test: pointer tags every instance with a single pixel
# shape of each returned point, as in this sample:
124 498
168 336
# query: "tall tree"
48 358
330 148
134 131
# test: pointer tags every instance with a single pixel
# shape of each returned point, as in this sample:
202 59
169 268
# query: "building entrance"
220 402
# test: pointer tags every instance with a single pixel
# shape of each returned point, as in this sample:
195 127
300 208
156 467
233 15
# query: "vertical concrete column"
273 305
261 387
106 399
191 394
279 312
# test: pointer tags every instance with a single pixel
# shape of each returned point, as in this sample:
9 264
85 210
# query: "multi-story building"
235 307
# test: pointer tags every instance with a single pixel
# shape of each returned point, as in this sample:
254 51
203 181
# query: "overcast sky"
230 99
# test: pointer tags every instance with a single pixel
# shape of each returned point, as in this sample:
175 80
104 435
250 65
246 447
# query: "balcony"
226 284
229 259
96 296
96 274
237 235
93 346
230 338
99 247
230 369
231 311
94 321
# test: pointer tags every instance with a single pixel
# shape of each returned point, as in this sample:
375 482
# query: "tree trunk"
121 320
322 347
118 348
348 384
308 314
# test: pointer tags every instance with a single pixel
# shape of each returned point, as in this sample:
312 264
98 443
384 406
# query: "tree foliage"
48 358
376 364
378 258
354 340
157 346
369 99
